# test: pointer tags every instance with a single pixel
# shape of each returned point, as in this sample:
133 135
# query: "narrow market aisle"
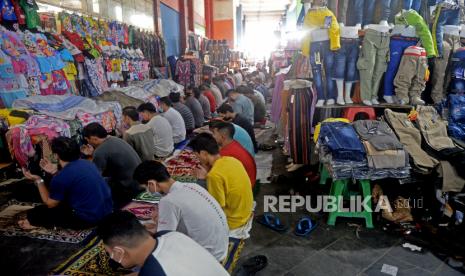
344 249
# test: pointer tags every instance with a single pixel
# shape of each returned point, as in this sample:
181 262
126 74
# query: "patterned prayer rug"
91 260
14 210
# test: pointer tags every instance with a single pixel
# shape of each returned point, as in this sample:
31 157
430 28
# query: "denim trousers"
397 45
458 71
412 4
388 10
342 141
354 14
345 65
443 16
321 57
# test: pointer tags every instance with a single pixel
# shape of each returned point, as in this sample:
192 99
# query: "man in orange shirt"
223 133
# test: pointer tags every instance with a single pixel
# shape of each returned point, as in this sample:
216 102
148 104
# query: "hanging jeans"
345 65
397 46
441 78
321 57
372 62
412 75
410 137
412 4
357 8
365 10
388 9
443 16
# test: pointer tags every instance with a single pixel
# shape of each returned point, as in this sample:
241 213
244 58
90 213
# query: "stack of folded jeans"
456 126
342 152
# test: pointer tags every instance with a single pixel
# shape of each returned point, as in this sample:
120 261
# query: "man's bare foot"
26 225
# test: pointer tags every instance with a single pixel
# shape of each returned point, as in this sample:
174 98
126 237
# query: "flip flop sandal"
304 227
272 222
255 264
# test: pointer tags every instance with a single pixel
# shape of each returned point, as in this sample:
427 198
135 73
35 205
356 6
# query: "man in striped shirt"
185 112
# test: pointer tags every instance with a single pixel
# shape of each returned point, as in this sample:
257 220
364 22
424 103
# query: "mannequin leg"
340 92
348 91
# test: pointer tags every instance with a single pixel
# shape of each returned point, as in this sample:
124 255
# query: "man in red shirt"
211 99
223 133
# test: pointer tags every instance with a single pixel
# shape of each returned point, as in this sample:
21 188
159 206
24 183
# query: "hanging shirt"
30 9
321 18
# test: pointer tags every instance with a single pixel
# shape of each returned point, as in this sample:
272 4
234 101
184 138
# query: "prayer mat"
14 210
182 166
147 197
142 210
91 260
234 252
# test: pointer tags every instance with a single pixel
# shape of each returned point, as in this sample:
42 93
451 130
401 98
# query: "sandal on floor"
255 264
304 227
264 147
271 221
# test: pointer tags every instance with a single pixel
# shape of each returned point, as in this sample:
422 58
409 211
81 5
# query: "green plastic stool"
340 189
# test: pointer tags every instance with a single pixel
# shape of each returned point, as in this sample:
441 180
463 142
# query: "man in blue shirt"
77 197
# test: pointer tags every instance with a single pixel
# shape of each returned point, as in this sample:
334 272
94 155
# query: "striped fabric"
186 115
300 124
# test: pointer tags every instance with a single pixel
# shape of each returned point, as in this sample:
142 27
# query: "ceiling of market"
256 10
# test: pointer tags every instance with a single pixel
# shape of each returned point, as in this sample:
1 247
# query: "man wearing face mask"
77 197
168 253
187 208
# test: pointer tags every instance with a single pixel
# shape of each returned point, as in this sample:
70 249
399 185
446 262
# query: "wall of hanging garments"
398 52
84 57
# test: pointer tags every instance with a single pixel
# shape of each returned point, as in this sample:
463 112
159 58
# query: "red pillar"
157 17
183 18
209 18
190 15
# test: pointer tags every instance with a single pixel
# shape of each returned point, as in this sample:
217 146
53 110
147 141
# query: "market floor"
332 250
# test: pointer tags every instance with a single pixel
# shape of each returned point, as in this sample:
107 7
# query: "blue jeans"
321 55
387 7
365 7
412 4
358 10
397 46
345 65
342 141
445 17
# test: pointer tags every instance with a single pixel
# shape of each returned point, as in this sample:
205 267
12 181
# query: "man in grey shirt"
187 208
161 128
139 136
175 119
204 103
241 104
117 161
194 105
185 112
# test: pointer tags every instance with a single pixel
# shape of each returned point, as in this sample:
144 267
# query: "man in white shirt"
175 119
187 208
170 253
162 131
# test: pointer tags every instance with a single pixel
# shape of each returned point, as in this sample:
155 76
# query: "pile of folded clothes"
346 157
